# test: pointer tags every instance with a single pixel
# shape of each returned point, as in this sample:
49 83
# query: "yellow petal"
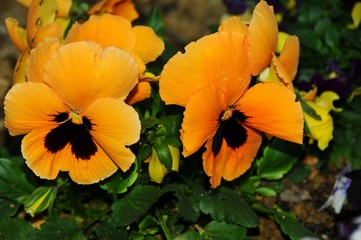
116 126
262 37
16 33
26 3
82 72
326 99
63 8
31 105
320 130
106 30
20 68
156 170
148 46
289 57
356 16
272 109
50 30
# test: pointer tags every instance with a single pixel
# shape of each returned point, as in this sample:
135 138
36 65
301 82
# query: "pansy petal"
219 59
63 8
116 125
289 56
233 24
106 30
38 57
139 93
271 108
31 105
262 37
97 168
148 46
16 33
283 77
231 163
201 118
82 72
50 30
20 68
126 9
42 162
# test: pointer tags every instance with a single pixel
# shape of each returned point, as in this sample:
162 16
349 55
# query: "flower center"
230 129
75 132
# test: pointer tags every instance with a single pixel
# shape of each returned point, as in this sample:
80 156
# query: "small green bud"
39 200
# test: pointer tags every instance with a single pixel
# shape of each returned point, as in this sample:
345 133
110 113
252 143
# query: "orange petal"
230 163
20 68
116 125
139 93
82 72
219 59
201 118
30 105
126 9
38 57
262 38
282 75
271 108
233 24
50 30
148 45
106 30
289 56
42 162
16 33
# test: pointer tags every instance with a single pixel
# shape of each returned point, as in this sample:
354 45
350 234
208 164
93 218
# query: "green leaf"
278 158
149 225
190 235
15 229
119 183
58 229
290 225
8 208
155 22
13 182
162 149
223 231
109 231
134 205
227 206
298 173
310 111
187 207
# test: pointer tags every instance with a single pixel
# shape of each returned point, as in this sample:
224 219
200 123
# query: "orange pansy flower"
46 18
124 8
109 30
211 80
262 39
72 111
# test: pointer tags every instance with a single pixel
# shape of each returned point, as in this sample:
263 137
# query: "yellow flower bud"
39 200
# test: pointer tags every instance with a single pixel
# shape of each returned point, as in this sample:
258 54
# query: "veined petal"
262 37
289 57
282 75
233 24
272 109
106 30
231 163
16 33
116 126
30 105
148 46
201 118
219 59
38 57
82 72
140 92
